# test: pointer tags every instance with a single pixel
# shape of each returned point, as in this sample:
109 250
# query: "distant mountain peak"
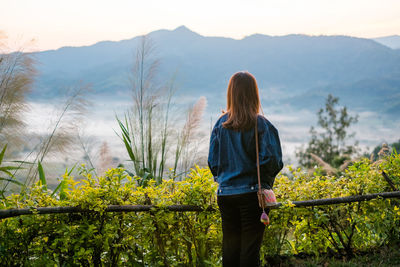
256 35
184 30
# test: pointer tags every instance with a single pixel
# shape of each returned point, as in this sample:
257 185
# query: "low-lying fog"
100 123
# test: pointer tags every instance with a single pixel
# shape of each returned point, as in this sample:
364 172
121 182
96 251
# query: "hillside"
290 69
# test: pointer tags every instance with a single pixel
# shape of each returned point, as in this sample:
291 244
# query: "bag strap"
260 196
257 157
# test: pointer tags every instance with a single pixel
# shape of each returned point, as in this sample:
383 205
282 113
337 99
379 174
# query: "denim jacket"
232 157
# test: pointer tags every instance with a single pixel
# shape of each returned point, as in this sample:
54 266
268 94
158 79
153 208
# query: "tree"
328 145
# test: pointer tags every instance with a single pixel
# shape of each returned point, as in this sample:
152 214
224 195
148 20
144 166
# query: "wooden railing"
7 213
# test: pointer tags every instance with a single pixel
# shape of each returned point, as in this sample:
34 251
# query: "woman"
232 161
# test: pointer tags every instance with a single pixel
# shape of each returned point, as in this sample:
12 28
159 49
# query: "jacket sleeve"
270 154
213 154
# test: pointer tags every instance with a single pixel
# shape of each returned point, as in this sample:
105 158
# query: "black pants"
242 230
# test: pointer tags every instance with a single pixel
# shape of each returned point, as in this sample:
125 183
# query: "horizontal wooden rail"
340 200
111 208
181 208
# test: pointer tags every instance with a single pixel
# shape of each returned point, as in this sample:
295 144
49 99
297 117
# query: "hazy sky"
56 23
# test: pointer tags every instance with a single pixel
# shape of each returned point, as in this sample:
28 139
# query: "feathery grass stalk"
142 58
17 74
188 132
86 153
149 141
61 137
105 160
146 132
141 147
164 133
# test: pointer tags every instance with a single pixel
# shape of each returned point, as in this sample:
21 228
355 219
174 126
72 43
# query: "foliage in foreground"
154 238
161 238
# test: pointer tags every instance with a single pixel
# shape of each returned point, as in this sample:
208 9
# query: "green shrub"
164 238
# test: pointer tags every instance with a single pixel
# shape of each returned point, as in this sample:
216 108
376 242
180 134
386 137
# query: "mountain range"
293 71
392 41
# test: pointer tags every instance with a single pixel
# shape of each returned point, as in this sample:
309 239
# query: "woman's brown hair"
243 101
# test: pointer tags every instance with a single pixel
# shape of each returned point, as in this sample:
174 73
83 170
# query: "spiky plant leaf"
2 153
42 177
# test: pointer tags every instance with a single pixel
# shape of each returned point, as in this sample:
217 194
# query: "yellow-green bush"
154 238
163 238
